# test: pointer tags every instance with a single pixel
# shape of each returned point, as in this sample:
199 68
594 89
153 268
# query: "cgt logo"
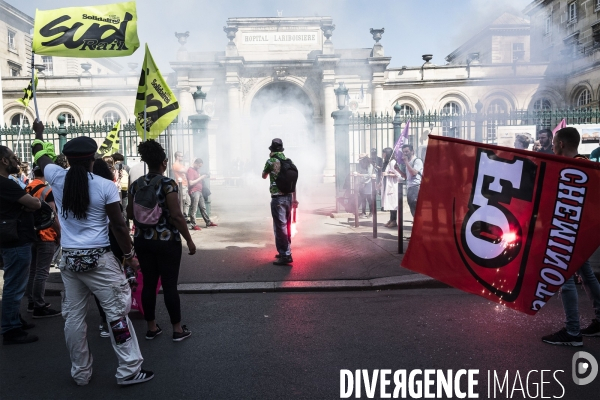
497 223
583 363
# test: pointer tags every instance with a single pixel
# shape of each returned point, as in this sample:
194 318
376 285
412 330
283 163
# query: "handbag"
9 230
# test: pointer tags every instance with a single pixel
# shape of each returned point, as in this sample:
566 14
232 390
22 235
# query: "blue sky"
412 27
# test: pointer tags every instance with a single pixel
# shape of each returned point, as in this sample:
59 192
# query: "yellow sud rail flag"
110 145
28 95
161 105
87 32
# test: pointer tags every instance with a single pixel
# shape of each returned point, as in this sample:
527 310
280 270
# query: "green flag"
87 32
161 105
28 95
110 145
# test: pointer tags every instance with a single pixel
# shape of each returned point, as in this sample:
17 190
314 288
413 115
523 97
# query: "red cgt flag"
509 225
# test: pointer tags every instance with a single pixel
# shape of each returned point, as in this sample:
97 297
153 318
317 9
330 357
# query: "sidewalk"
329 253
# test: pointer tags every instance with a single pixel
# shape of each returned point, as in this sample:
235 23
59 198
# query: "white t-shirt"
91 232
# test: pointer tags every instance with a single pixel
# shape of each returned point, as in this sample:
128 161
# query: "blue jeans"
42 253
570 298
16 270
281 210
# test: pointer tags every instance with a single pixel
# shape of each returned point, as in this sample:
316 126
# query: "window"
12 45
496 116
110 117
405 109
597 5
518 51
15 71
69 119
450 119
48 63
584 98
548 25
572 17
16 120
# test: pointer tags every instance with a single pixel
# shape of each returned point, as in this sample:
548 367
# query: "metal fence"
178 137
369 131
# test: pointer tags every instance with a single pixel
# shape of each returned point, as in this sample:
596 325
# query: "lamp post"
62 132
342 141
199 124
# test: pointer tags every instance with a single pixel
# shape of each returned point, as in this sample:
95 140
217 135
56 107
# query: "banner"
87 32
110 145
402 140
509 225
161 105
28 92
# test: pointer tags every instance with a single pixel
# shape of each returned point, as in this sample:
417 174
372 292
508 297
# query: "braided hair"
76 193
152 153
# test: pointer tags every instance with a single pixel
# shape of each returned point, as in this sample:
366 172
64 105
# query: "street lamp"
341 93
199 97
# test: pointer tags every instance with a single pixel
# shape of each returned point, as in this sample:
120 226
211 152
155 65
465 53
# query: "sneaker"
141 377
184 334
387 224
196 228
104 332
392 224
363 215
211 224
593 329
26 325
45 313
563 338
152 334
18 336
284 260
30 306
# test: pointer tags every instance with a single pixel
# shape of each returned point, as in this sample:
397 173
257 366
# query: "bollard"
374 204
356 222
400 218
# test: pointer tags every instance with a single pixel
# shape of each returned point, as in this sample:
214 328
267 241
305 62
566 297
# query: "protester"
281 205
545 139
42 251
595 154
565 143
365 188
61 161
88 265
122 173
377 163
412 172
195 191
159 247
179 171
522 141
389 187
16 207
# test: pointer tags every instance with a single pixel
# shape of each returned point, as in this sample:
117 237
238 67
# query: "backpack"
146 210
287 177
43 218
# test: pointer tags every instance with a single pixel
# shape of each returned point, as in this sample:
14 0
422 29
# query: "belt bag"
82 260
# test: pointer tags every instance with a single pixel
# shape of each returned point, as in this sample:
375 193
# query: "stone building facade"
276 78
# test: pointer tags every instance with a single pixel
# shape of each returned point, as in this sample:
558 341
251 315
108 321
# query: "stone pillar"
342 151
377 103
236 137
1 102
186 103
329 106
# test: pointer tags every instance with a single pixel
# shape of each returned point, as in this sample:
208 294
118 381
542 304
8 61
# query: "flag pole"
19 135
144 138
37 114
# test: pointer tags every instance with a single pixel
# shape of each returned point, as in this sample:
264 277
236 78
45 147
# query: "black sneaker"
563 338
152 334
593 329
26 325
31 306
284 260
45 313
18 336
141 377
184 334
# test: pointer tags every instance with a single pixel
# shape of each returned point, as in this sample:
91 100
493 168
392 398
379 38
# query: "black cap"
276 145
80 147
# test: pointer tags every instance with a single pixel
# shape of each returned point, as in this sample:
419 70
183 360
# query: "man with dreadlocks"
87 203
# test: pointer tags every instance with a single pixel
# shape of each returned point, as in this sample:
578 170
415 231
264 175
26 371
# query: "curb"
412 281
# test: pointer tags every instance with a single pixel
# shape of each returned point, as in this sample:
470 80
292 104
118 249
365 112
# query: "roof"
16 13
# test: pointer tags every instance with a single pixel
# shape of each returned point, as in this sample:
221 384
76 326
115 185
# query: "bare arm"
56 224
129 208
119 229
194 181
30 203
38 128
178 221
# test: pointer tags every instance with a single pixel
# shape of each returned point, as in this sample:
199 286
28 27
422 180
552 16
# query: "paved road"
293 345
